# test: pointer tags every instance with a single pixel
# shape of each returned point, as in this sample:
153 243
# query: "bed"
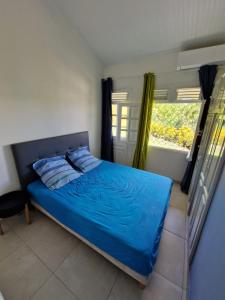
117 210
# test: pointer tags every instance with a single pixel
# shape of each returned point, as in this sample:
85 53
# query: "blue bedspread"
119 209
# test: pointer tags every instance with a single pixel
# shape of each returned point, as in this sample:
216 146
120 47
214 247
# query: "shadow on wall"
9 179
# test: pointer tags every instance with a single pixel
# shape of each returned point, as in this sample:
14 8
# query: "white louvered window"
189 94
119 96
161 95
125 117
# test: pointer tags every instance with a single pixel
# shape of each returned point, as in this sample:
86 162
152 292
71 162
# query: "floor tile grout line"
114 283
179 193
10 229
183 261
186 253
168 280
78 298
7 256
185 242
35 292
179 206
36 257
52 273
67 257
177 235
72 292
26 243
185 265
39 259
181 209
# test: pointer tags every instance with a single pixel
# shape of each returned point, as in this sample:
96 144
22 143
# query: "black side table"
13 203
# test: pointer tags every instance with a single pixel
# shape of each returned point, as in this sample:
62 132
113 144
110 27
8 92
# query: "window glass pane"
124 112
114 131
123 134
114 109
114 120
173 125
133 124
124 123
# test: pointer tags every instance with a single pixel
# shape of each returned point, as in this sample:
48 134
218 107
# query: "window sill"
169 149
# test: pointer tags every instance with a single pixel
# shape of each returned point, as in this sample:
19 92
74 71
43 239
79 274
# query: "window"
189 94
119 96
161 95
174 122
125 117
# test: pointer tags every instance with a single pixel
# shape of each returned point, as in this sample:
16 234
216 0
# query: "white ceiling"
121 30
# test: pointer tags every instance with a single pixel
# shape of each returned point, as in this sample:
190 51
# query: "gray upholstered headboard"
26 153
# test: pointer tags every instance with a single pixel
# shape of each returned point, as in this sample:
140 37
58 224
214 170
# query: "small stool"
13 203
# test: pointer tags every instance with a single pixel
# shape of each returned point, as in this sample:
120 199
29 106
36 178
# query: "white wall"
167 162
49 81
163 64
129 76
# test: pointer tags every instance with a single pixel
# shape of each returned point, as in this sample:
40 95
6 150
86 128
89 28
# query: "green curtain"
141 150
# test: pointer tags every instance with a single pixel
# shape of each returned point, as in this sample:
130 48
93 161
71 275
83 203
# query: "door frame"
206 210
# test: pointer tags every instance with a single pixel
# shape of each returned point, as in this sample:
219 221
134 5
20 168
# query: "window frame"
175 100
186 101
129 118
137 104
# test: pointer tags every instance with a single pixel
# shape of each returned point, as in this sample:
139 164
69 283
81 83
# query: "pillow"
55 171
82 159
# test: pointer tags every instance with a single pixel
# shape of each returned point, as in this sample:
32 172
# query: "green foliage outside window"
174 124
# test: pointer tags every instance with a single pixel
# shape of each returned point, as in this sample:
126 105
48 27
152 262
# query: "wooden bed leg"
1 230
141 285
27 214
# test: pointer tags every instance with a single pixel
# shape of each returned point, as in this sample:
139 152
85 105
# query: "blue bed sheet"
119 209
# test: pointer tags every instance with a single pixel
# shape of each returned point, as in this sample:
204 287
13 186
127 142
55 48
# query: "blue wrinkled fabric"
119 209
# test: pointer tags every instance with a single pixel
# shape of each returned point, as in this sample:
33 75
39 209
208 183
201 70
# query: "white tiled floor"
43 262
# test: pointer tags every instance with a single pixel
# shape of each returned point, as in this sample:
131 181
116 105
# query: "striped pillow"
55 171
82 159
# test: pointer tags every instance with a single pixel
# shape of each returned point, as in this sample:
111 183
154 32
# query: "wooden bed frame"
26 153
140 278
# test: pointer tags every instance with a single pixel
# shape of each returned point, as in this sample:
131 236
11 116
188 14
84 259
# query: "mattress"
119 209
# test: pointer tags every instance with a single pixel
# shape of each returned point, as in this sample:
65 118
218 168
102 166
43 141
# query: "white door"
209 164
125 117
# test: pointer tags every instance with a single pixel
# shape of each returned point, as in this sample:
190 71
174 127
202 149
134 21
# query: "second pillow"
83 159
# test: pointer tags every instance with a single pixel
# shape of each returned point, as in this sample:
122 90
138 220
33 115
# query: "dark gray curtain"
207 76
106 138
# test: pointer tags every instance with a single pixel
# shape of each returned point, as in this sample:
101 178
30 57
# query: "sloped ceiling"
121 30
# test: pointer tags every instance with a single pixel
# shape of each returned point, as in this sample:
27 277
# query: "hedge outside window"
174 124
